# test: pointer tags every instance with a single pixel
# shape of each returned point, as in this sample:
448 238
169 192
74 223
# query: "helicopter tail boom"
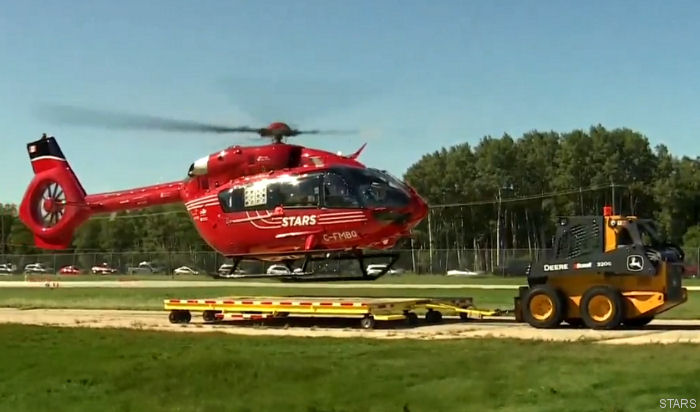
55 204
137 198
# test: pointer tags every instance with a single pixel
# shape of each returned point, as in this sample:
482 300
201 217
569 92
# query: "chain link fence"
513 262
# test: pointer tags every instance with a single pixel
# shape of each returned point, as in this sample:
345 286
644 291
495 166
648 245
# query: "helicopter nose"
420 209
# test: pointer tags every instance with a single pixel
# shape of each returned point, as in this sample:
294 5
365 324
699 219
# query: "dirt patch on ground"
656 332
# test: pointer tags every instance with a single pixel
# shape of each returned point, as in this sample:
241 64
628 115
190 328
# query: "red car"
690 271
69 270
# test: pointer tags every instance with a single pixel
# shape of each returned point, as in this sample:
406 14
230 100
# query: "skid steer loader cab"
603 271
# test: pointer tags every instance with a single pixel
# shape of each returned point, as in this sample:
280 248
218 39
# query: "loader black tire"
602 307
544 307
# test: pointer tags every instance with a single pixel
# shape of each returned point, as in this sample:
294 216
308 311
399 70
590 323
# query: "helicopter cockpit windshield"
373 188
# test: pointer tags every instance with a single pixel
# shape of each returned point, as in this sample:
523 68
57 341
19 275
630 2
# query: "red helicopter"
276 202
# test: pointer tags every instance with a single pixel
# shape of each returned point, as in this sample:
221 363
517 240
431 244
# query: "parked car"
690 271
464 272
35 268
103 269
185 270
225 270
377 268
145 268
69 270
7 269
278 270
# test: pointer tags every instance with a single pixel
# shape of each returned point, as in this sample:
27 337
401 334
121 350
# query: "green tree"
691 239
21 239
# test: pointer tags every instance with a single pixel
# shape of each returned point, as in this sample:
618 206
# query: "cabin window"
298 192
231 200
337 193
242 199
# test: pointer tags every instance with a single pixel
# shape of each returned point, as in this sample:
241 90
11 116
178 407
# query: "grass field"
152 299
117 370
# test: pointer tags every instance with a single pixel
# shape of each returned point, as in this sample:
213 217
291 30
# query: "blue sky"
412 76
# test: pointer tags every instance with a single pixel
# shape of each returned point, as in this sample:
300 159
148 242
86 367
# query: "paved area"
659 331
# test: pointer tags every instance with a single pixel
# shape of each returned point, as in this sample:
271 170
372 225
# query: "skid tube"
367 310
316 256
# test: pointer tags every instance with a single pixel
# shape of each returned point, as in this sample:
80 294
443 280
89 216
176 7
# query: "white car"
103 269
185 270
278 270
465 272
377 268
7 269
35 268
225 270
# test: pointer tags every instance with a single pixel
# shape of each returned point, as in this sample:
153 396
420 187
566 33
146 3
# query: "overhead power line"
526 197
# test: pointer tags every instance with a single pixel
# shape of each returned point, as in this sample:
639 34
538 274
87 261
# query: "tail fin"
54 203
357 153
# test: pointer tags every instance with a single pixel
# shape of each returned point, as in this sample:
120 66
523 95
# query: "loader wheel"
543 307
638 322
602 308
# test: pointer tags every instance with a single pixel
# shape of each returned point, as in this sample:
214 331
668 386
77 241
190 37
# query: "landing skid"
306 276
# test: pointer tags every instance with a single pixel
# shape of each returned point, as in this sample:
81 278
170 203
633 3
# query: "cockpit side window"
337 193
377 189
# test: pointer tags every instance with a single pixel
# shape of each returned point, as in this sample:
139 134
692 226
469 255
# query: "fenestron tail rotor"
51 205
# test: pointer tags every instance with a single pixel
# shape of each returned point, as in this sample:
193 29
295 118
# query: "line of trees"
590 169
158 229
514 179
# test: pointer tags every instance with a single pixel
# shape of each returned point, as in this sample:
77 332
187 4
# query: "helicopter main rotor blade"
96 118
338 132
